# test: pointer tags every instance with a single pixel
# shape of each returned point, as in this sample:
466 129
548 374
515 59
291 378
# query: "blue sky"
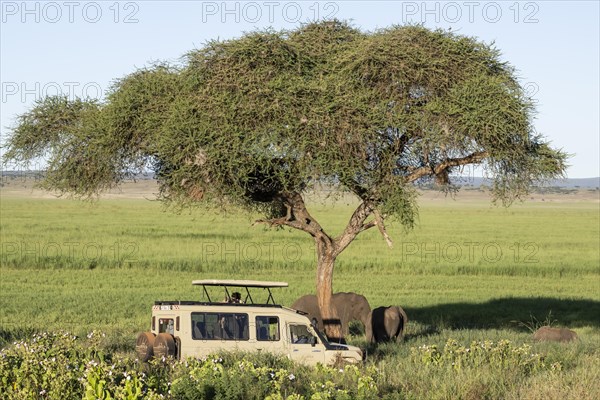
78 47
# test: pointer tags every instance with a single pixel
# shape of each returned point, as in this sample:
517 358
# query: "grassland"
469 271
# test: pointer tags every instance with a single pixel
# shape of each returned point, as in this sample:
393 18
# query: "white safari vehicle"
237 323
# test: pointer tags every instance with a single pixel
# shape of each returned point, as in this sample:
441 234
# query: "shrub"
502 355
63 366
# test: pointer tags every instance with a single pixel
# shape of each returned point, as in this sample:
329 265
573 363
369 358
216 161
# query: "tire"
144 346
164 346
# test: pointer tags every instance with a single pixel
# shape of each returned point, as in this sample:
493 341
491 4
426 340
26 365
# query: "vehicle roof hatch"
227 283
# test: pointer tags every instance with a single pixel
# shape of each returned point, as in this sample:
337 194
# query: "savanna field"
78 281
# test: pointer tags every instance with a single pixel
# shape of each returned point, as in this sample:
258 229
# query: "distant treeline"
474 182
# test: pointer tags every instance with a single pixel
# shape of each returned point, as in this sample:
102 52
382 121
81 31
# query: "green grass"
468 271
105 262
450 239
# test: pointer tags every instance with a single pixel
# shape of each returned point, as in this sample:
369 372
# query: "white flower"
291 377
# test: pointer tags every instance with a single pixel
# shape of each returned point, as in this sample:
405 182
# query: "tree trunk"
328 249
325 262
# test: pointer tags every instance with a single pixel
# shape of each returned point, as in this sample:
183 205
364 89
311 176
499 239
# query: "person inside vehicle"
236 297
301 340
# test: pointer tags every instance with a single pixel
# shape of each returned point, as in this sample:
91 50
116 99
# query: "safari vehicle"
198 328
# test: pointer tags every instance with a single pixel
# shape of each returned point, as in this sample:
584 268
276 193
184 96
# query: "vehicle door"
303 344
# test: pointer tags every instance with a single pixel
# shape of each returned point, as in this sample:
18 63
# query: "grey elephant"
349 306
386 324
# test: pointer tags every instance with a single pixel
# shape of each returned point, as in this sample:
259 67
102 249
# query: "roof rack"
241 284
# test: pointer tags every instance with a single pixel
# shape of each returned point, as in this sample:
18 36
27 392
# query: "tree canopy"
242 120
259 120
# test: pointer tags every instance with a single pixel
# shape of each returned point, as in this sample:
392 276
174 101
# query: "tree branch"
274 222
368 225
354 227
443 166
382 230
297 216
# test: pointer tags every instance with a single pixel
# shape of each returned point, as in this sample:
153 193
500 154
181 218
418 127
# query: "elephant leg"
369 330
399 336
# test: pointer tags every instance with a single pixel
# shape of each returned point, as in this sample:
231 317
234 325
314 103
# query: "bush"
247 376
502 355
63 366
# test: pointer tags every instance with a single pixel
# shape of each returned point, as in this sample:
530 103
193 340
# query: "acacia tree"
260 120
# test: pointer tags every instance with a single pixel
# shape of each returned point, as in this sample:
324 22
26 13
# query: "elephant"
349 306
547 333
385 324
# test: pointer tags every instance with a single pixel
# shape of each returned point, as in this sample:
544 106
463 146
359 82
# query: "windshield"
326 343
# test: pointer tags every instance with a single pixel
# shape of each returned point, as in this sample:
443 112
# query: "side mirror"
313 341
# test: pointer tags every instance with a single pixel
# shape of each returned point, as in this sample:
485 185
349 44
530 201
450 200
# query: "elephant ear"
403 322
358 303
403 314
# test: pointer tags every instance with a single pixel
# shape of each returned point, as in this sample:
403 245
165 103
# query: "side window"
234 326
267 328
219 326
299 334
199 326
166 325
